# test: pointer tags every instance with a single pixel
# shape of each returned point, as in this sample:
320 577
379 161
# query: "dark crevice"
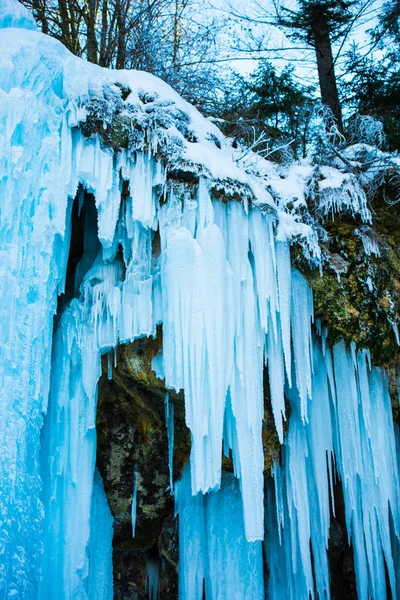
84 245
340 553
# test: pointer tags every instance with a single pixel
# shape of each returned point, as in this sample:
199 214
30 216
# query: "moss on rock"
357 295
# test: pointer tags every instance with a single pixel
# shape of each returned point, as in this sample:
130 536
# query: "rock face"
357 291
133 444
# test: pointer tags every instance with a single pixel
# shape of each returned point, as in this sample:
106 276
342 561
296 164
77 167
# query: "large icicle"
302 313
213 550
266 282
368 468
170 424
349 415
100 584
197 334
69 438
35 163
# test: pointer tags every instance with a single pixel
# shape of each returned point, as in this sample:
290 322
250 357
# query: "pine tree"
374 88
389 21
319 23
267 106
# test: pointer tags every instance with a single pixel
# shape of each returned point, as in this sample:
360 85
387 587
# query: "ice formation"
152 578
100 583
214 552
170 424
349 422
15 15
218 277
134 502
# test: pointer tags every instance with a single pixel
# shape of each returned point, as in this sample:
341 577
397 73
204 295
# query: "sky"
274 41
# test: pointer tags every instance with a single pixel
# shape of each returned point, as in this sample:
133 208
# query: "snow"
218 277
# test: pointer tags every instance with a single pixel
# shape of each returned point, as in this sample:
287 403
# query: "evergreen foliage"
303 22
268 110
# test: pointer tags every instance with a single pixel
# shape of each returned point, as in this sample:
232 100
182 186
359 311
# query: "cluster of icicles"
230 303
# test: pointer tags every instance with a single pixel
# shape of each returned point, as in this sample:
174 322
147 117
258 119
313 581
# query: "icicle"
136 477
369 240
368 469
350 415
169 421
100 582
145 174
198 341
152 586
213 550
68 456
205 210
284 287
340 192
109 366
137 289
96 171
276 371
396 332
263 249
301 317
157 364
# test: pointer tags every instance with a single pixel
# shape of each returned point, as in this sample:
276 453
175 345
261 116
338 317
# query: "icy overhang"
14 14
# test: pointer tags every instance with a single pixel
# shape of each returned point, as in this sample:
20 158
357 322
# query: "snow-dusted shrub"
365 129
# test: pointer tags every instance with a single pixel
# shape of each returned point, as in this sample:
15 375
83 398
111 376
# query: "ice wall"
33 251
100 583
350 426
218 277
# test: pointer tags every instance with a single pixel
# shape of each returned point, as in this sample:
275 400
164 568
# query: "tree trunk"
104 34
122 9
39 10
175 43
91 33
64 23
326 69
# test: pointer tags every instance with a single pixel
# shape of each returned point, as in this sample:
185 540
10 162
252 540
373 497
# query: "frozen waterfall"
218 277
